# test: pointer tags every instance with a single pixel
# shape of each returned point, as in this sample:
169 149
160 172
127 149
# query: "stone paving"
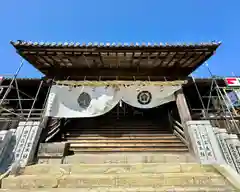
119 172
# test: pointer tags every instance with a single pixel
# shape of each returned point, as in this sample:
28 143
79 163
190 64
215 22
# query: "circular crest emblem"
144 97
84 100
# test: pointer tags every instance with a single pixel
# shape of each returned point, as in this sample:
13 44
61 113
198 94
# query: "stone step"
45 169
82 135
124 127
100 137
139 132
129 149
120 130
133 189
142 127
125 145
114 180
123 158
130 143
126 123
126 141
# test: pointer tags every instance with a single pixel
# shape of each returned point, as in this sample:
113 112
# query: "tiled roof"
114 44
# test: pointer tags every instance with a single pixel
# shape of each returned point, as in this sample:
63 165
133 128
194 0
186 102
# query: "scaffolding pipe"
35 100
10 86
199 95
26 94
225 119
19 98
210 95
9 111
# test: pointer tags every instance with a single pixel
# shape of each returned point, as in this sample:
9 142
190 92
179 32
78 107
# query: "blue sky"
122 21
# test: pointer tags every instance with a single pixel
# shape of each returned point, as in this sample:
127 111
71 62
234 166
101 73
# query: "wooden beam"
156 59
101 60
197 64
132 61
186 63
122 78
173 57
180 67
164 71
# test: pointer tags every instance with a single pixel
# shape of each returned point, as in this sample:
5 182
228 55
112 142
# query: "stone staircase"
147 177
133 143
124 136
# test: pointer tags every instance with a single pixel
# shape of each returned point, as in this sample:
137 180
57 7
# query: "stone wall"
213 145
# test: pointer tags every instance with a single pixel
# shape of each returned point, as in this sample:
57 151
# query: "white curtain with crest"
90 101
148 96
83 101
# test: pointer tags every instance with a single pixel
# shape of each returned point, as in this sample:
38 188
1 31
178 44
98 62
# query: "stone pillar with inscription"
236 143
5 138
229 144
204 142
221 135
233 150
27 138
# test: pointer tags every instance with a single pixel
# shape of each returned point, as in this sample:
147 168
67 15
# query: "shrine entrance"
89 67
125 129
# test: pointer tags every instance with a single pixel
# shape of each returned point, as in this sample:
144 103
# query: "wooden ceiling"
115 60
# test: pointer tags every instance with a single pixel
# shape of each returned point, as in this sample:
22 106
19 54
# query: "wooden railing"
178 130
54 129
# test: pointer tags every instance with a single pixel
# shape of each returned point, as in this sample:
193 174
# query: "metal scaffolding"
12 99
219 108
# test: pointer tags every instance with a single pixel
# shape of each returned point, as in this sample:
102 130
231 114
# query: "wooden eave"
75 60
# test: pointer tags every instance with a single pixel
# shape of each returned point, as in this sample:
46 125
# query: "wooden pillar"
184 114
182 106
